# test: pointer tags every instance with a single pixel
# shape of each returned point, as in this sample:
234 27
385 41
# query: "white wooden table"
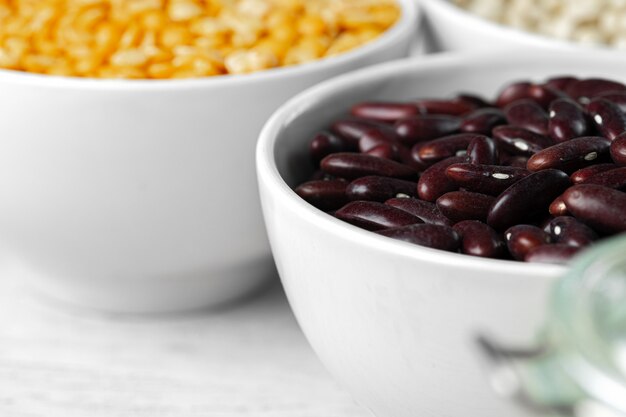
247 360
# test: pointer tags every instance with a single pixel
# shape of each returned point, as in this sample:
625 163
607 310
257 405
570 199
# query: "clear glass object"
579 368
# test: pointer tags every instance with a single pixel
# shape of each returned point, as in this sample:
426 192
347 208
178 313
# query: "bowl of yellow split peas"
127 176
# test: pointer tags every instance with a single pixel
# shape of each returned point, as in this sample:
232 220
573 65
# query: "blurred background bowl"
397 323
450 28
140 195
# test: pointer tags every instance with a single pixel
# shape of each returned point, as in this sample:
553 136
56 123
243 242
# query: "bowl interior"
284 141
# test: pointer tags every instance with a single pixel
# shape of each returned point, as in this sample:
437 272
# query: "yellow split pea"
182 38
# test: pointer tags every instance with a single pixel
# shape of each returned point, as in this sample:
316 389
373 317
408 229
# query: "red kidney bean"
615 178
384 150
374 137
567 120
427 127
464 205
584 174
482 150
371 215
558 207
324 194
406 156
445 147
569 231
552 254
520 141
527 198
527 114
351 130
618 149
482 120
486 179
325 143
415 157
473 100
373 188
513 92
434 183
616 97
522 238
384 111
453 107
543 221
560 83
426 211
320 175
545 224
587 89
354 165
516 161
430 235
571 155
478 239
544 94
602 208
383 144
608 118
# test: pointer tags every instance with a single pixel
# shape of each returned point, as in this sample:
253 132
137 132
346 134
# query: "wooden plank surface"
246 360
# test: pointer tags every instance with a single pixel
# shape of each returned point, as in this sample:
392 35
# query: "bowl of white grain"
512 24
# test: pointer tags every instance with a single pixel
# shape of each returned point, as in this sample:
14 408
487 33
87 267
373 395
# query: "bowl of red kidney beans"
400 199
535 174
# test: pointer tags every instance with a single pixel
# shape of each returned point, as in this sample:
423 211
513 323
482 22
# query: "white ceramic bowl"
141 195
397 323
451 28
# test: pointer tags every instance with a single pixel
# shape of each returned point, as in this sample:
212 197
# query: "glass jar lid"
579 367
587 323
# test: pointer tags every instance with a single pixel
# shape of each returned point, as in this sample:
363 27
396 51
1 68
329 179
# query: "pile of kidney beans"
535 175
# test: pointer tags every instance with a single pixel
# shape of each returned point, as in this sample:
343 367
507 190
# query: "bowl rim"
269 177
408 23
497 29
